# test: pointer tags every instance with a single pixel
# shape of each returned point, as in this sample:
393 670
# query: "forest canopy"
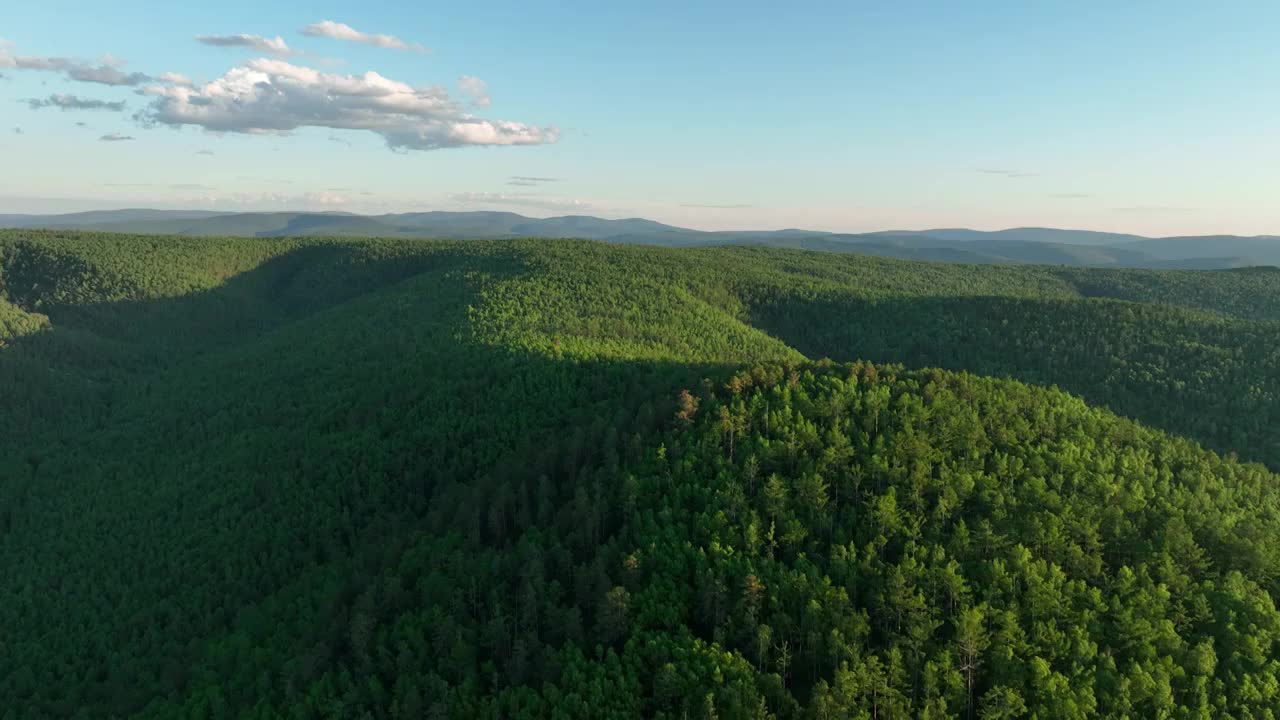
394 478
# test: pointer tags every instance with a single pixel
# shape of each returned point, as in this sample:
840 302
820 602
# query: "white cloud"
325 198
274 96
105 75
273 46
115 137
475 90
108 73
174 78
530 181
546 202
340 31
72 102
316 200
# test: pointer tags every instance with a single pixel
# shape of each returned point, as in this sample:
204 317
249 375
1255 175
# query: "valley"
500 478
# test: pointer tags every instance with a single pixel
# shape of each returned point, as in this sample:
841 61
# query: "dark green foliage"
1209 377
404 479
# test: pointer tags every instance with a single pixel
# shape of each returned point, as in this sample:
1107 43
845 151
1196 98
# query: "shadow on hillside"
1168 369
237 491
246 483
94 354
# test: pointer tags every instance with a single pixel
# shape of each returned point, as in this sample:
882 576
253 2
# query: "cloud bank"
341 31
266 95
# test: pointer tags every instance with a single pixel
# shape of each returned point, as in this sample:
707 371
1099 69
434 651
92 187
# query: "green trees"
1054 603
1212 378
320 478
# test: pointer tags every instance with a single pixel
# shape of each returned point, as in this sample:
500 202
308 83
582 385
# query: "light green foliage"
16 322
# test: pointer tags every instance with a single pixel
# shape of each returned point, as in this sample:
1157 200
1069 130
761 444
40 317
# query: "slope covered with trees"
1027 245
394 478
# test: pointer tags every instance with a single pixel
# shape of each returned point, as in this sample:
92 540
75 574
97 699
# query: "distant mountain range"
1013 246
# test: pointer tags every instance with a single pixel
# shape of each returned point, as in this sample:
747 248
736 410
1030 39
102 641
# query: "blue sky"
1150 117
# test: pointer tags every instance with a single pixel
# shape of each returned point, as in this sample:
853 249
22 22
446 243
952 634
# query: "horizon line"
886 231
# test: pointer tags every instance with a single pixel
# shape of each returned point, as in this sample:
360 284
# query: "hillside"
994 251
402 478
1035 246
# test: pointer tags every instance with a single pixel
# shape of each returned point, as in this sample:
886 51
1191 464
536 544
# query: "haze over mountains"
1013 246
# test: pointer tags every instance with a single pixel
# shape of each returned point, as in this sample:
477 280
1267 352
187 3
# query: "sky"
1158 118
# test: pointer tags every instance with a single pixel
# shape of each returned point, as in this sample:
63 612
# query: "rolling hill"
981 251
1023 234
1014 246
294 477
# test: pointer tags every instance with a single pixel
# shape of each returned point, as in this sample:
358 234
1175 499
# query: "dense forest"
396 478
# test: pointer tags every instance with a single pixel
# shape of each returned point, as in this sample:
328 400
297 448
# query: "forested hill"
1016 246
348 478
